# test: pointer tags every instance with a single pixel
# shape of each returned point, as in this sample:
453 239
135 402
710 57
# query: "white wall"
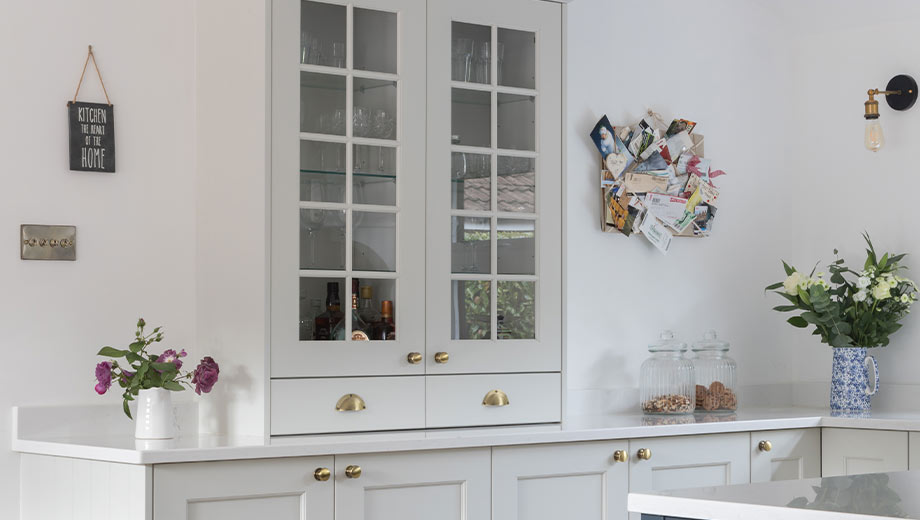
778 90
135 228
725 65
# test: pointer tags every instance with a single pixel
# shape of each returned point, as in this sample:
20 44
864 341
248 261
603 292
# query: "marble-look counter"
40 430
856 497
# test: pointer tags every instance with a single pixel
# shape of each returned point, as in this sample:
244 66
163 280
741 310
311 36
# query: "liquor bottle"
326 322
386 328
366 308
359 327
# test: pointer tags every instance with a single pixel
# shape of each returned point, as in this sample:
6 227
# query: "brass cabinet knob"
350 403
414 358
495 398
441 357
353 471
620 456
322 474
765 446
644 454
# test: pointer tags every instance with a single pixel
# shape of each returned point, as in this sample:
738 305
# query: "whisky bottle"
359 327
327 322
366 309
386 327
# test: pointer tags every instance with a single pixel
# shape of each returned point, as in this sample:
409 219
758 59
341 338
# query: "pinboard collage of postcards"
655 180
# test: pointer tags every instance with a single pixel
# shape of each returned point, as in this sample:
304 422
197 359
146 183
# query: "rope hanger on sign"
89 55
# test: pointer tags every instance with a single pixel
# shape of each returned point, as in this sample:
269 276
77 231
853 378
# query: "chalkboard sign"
92 136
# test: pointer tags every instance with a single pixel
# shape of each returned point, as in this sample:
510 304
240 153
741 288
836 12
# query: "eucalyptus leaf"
797 321
111 352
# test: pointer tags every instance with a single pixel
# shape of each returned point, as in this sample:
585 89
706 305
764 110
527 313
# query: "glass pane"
375 317
471 310
322 103
471 117
321 314
470 56
516 246
322 34
471 245
516 310
375 40
375 108
471 181
516 57
374 246
517 127
322 171
516 184
375 175
322 239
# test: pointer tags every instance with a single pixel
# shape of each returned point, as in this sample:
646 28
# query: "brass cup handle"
353 471
414 358
644 454
441 357
620 456
322 474
765 446
350 403
495 398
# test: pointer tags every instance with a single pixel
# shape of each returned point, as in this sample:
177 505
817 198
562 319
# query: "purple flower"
205 375
103 376
125 375
170 356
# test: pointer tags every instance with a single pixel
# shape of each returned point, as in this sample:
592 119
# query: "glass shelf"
356 174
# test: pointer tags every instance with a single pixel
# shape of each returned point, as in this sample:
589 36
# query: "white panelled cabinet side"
416 268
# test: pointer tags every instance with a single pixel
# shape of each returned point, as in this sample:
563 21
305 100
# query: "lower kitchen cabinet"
913 449
280 489
442 485
549 482
785 454
659 464
846 451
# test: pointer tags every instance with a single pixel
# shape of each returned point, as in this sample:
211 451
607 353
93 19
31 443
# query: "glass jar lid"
710 342
667 342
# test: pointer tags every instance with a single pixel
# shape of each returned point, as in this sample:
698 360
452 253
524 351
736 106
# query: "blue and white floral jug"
850 388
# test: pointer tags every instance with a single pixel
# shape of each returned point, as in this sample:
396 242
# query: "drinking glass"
337 58
481 63
337 121
500 58
462 52
362 122
383 124
315 53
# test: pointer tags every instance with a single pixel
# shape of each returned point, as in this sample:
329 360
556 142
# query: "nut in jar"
667 404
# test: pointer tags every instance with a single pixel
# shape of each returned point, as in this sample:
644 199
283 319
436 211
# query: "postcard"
679 125
655 163
656 233
677 144
708 193
644 183
694 164
602 135
619 214
607 179
688 215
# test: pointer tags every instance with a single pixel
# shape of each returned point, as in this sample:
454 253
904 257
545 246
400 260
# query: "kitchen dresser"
416 207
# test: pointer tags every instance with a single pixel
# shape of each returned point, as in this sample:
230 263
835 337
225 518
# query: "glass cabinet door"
494 186
348 221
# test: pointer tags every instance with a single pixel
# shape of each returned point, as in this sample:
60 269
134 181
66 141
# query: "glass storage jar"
715 375
666 381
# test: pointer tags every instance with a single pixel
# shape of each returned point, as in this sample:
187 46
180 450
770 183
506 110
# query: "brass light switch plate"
48 242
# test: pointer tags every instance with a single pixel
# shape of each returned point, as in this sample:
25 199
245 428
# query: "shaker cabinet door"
443 485
494 238
785 454
689 461
347 188
280 489
846 451
549 482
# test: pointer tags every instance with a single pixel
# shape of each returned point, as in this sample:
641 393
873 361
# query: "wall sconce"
901 94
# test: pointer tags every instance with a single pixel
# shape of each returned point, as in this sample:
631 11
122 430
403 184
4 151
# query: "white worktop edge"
683 507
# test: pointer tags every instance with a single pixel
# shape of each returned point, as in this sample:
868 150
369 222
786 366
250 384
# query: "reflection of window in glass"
516 247
471 247
516 184
516 310
471 311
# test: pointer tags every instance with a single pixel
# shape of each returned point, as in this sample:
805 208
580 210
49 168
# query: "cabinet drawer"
309 405
458 400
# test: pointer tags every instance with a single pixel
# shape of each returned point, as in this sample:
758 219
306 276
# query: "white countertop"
32 435
857 497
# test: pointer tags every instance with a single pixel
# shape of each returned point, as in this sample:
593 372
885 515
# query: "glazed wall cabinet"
416 214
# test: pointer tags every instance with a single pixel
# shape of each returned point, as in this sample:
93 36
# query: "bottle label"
359 335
